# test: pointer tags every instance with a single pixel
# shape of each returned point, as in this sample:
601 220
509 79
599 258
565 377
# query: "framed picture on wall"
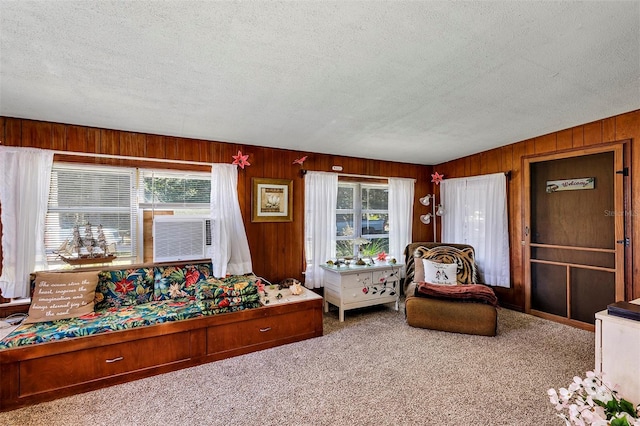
272 200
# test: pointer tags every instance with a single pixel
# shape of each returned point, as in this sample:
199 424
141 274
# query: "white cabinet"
350 287
618 353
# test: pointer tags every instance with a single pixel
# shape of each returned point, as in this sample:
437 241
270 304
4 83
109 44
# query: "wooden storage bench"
41 372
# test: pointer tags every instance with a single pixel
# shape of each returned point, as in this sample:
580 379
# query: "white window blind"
99 195
167 190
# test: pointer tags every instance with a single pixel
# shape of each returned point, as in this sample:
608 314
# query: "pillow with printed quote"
62 295
440 273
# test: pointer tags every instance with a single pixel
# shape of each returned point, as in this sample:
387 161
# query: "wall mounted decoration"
301 161
272 200
437 178
241 160
570 184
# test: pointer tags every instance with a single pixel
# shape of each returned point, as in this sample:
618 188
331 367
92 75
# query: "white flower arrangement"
591 401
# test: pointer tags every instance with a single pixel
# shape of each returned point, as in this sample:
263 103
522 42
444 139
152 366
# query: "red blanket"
467 292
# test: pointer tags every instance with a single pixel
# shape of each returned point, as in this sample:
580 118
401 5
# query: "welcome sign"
570 184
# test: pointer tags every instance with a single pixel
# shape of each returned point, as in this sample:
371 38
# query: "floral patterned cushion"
174 282
248 305
224 302
125 299
213 288
229 304
113 319
124 287
250 279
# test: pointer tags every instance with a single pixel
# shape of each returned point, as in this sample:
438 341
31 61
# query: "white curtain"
231 248
25 176
401 193
320 202
475 213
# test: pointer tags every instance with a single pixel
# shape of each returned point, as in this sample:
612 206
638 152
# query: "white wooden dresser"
354 286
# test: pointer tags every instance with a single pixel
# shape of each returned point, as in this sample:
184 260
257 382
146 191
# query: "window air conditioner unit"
178 238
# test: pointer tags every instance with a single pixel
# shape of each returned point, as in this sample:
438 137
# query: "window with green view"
362 211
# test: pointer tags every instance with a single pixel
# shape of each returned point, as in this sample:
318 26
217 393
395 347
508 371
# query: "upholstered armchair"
460 315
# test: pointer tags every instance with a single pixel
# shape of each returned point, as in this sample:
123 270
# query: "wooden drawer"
357 296
260 330
367 278
331 278
356 281
353 286
73 368
329 286
380 276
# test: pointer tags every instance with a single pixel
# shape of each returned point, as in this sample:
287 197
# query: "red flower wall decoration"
241 160
437 178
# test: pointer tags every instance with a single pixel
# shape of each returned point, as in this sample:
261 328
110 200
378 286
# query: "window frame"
162 173
131 210
357 211
135 208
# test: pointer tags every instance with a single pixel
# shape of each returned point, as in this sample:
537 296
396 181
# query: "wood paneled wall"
276 248
509 158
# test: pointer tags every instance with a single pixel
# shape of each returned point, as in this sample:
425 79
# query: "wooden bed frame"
46 371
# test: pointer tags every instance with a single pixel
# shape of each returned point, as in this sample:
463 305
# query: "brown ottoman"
444 315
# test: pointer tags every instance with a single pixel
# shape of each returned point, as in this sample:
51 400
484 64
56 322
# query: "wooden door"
574 239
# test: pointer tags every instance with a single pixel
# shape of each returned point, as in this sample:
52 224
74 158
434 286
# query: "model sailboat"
80 250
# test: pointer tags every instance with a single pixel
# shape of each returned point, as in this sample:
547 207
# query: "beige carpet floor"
372 369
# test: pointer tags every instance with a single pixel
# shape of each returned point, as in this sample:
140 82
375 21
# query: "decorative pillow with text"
440 273
60 295
418 267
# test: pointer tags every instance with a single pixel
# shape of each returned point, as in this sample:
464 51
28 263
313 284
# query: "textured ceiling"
418 82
